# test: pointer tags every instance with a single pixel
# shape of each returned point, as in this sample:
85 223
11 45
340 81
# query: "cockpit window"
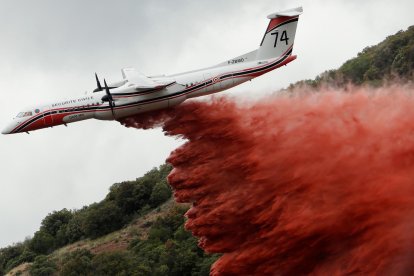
24 114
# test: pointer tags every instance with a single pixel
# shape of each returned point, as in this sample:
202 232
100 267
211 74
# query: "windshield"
24 114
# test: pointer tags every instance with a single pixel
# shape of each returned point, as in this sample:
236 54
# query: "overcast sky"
50 49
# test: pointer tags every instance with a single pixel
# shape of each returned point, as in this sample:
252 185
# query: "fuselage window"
24 114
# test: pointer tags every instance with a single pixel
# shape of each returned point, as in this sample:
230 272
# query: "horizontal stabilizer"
290 13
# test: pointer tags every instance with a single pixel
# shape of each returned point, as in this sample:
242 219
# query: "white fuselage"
137 93
128 102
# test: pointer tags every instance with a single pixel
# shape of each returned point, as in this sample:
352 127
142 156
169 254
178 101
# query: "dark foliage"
12 256
42 266
392 59
114 263
42 242
76 263
124 201
102 218
169 250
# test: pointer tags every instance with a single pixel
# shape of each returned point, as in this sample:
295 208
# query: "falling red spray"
315 183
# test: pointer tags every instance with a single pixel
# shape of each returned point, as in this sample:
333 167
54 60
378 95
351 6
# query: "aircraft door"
47 116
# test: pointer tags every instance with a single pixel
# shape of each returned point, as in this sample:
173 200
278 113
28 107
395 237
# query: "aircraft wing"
142 82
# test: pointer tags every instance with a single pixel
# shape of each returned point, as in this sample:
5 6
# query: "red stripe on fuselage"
254 75
38 124
256 68
277 21
58 117
289 59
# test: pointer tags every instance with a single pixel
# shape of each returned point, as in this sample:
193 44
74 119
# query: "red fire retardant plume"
311 183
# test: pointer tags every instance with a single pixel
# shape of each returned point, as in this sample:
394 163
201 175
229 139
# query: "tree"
391 59
150 189
114 263
42 266
102 218
73 230
54 221
204 264
42 242
9 257
55 225
127 196
76 263
160 193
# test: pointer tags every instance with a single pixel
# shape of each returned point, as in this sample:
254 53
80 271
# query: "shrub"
102 218
76 263
114 263
42 266
54 221
160 193
42 242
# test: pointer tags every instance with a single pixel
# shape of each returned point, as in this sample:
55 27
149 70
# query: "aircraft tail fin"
280 34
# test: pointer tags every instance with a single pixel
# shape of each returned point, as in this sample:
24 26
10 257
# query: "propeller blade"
112 108
112 105
106 87
110 99
98 84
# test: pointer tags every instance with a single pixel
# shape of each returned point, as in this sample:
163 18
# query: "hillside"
137 229
115 241
390 60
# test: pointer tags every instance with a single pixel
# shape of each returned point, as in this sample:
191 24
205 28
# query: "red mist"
306 183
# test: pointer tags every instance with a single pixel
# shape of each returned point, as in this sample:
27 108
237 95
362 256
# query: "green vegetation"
42 266
392 59
14 255
125 201
168 250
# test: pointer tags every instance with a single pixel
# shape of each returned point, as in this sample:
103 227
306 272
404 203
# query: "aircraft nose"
7 130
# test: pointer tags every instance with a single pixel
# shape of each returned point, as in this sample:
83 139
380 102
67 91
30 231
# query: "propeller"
109 99
98 84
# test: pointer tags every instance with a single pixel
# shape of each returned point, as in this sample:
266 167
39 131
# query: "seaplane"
136 93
